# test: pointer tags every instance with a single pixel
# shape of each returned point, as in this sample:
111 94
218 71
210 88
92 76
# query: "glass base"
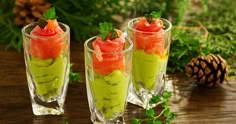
143 96
96 119
47 108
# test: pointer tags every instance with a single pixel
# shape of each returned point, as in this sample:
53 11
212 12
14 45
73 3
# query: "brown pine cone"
28 11
207 70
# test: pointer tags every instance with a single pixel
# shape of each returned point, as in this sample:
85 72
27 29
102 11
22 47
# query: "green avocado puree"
48 76
146 68
110 92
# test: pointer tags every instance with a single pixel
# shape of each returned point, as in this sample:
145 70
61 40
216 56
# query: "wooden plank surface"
193 104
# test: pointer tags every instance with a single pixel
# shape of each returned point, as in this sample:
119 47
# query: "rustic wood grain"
193 104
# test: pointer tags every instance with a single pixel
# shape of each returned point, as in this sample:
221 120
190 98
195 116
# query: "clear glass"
150 56
47 60
107 93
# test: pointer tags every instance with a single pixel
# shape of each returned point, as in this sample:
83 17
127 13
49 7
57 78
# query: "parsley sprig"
74 76
50 14
152 16
150 117
106 29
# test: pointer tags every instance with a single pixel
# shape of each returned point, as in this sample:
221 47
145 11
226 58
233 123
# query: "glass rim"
137 18
93 51
23 30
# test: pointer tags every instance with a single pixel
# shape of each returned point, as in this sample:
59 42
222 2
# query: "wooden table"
193 104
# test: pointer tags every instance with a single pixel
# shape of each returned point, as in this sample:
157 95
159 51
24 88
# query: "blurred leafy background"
200 27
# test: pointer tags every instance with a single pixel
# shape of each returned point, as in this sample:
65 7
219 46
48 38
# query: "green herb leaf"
42 23
150 113
152 16
170 117
173 115
50 14
136 121
166 112
157 122
74 77
150 122
155 99
164 103
105 29
166 94
150 117
156 14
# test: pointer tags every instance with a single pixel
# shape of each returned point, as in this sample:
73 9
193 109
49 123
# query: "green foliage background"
218 17
83 17
9 32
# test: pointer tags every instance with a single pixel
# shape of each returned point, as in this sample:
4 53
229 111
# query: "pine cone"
208 71
28 11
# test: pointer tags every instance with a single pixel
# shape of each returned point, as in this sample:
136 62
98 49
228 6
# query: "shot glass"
150 56
47 60
107 92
